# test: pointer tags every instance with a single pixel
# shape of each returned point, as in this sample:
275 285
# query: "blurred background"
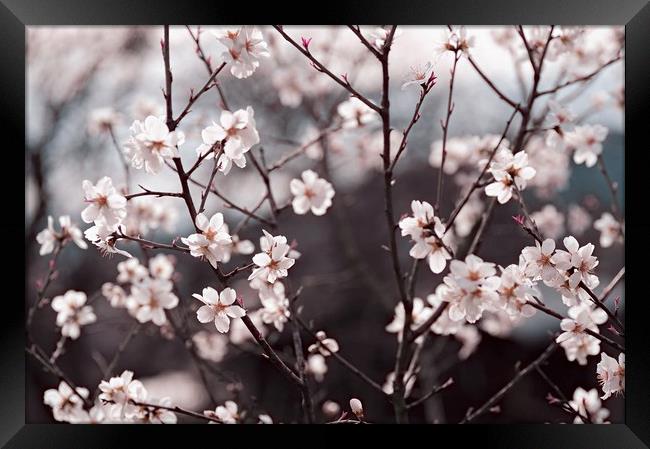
348 286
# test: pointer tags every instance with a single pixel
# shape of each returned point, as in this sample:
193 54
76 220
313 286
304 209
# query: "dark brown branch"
151 245
490 83
355 29
580 79
555 314
270 353
147 192
38 354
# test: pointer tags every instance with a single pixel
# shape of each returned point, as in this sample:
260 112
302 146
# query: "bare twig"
343 361
445 128
435 390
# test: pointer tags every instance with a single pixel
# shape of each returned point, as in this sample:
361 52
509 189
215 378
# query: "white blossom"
331 409
579 219
67 405
273 262
156 415
609 228
355 113
106 206
409 381
515 291
264 419
539 262
472 288
510 172
469 338
49 237
218 307
131 271
151 298
576 342
549 221
115 294
559 115
227 413
103 237
72 313
211 346
611 374
238 131
324 345
102 120
275 305
587 404
236 246
580 259
151 143
213 241
317 366
419 314
455 40
428 233
379 35
586 141
244 49
311 193
419 75
161 267
120 392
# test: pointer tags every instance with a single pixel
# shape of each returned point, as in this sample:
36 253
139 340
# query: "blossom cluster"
151 289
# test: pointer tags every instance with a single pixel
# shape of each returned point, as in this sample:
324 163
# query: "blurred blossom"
211 346
549 221
579 219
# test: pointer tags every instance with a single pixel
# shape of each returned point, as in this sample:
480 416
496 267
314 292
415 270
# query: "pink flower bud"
519 219
356 407
306 42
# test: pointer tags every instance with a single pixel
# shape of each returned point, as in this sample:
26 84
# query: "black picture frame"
15 15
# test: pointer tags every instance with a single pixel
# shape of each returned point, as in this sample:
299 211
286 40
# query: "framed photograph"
327 223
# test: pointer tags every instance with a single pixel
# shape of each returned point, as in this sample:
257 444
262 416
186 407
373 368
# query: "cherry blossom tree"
440 290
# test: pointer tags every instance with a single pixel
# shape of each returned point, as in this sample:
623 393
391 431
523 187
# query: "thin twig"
435 390
342 81
502 392
445 128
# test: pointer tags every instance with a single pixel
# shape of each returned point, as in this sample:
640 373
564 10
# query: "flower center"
210 233
157 145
